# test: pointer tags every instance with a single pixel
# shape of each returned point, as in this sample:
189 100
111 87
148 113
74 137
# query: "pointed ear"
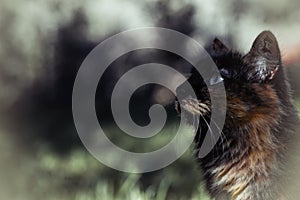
266 45
219 47
264 58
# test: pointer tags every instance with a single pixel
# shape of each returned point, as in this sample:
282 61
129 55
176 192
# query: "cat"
249 158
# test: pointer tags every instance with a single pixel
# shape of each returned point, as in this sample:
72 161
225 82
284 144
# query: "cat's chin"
177 107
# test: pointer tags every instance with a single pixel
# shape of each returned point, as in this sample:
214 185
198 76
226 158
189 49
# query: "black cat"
261 121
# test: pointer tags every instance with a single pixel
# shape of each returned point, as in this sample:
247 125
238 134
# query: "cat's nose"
180 92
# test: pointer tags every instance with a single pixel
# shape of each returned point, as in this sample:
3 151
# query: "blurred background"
42 45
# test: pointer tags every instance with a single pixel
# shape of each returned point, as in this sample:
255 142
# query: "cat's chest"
244 163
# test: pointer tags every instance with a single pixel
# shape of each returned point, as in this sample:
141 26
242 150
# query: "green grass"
178 181
44 174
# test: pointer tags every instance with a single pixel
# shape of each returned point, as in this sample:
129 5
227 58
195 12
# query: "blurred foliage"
78 175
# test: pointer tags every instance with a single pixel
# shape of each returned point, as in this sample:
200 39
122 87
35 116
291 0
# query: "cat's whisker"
210 132
195 107
222 135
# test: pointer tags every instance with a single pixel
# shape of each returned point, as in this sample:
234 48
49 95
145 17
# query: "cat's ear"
264 58
219 47
266 45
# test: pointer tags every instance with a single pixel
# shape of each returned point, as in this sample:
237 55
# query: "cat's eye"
225 72
215 79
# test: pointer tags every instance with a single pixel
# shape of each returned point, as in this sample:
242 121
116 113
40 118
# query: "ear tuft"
219 47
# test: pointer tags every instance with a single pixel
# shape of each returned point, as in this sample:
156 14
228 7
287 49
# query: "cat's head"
250 81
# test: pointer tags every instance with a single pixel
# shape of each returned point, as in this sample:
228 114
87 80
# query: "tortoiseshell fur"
248 160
